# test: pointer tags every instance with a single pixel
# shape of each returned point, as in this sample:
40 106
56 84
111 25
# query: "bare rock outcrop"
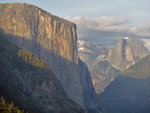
126 53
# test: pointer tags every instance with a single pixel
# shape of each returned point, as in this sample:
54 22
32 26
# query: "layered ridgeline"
104 64
30 84
55 41
94 55
130 92
127 52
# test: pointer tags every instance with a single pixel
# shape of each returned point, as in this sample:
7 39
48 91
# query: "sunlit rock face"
126 53
52 39
33 24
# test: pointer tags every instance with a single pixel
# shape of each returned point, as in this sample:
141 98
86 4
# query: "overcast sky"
101 20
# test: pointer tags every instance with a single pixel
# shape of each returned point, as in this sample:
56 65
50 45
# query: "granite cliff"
127 52
30 22
30 83
52 39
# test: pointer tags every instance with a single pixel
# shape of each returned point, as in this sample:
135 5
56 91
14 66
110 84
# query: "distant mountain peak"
126 52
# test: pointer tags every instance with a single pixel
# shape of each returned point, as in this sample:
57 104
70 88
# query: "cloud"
102 23
106 30
146 43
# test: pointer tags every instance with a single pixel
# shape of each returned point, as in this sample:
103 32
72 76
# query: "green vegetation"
13 57
13 52
8 108
32 59
15 61
140 69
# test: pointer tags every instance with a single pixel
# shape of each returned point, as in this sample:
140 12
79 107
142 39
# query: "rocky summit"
126 53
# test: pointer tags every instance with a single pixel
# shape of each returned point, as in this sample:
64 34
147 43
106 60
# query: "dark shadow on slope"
31 87
127 95
75 78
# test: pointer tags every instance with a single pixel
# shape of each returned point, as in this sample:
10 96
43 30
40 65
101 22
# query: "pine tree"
3 101
10 108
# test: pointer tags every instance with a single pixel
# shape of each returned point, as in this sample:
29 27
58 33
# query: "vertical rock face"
30 84
49 37
38 26
52 39
126 53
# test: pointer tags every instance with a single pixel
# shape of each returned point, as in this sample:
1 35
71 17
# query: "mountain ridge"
140 70
127 52
130 91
